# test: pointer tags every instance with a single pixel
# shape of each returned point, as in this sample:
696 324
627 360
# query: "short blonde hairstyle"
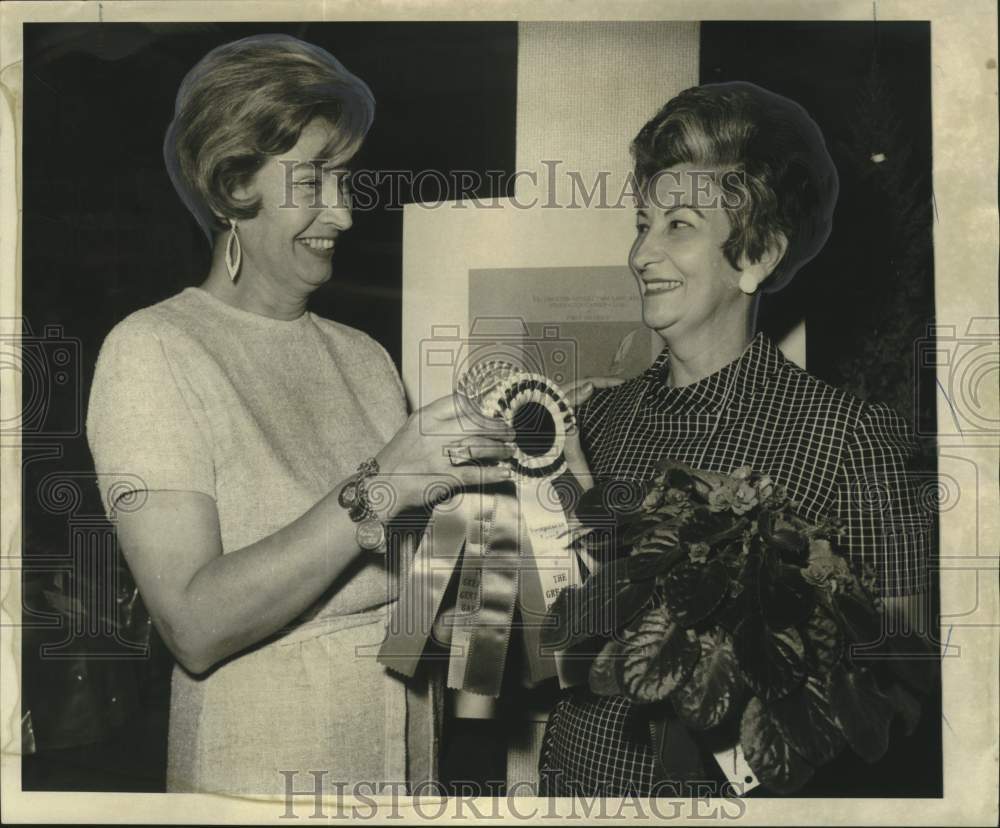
248 100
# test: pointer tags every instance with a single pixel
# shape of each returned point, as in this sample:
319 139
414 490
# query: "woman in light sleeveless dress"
232 430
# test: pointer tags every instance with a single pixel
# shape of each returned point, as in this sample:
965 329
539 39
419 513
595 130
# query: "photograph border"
965 152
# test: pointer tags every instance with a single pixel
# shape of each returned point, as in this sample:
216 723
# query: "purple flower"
698 552
765 488
720 499
745 499
675 496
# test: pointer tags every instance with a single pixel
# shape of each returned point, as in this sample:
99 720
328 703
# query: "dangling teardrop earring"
233 260
747 283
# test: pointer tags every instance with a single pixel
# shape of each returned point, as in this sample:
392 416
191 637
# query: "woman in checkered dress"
738 192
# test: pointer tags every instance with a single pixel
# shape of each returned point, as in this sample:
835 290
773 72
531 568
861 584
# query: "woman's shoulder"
802 393
363 358
352 344
593 415
797 388
343 333
159 340
171 318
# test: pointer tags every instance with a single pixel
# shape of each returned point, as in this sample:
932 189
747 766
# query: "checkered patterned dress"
834 454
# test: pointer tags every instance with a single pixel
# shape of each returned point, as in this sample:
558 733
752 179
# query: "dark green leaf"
771 660
651 533
909 657
693 591
575 662
862 711
677 753
613 609
605 603
704 525
605 671
785 597
705 699
731 554
764 523
863 623
791 545
905 706
733 610
919 671
560 617
643 566
592 510
807 723
676 475
636 531
823 641
659 655
624 497
647 565
734 530
769 755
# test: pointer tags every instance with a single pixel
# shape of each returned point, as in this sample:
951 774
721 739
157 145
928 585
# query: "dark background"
105 234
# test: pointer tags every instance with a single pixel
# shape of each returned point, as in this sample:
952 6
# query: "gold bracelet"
353 496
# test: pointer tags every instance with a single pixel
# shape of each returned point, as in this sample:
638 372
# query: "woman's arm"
888 523
207 605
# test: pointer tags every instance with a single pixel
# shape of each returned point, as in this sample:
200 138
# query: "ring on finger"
459 454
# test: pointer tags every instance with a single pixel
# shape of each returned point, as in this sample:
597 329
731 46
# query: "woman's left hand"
576 395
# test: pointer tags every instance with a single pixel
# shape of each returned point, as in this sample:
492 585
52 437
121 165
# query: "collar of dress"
740 379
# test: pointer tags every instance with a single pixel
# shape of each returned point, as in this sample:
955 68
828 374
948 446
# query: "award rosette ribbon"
511 545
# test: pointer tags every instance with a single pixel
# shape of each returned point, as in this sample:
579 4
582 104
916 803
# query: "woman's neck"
700 354
250 292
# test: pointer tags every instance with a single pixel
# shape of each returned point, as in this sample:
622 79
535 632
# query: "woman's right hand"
208 605
443 448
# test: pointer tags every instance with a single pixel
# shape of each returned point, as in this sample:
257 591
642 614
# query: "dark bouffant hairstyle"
770 146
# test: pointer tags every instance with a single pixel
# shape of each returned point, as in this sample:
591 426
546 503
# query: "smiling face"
304 207
687 284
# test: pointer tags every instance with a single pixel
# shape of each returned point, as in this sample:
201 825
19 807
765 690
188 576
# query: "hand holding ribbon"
512 546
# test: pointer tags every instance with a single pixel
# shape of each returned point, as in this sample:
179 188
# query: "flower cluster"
739 492
741 614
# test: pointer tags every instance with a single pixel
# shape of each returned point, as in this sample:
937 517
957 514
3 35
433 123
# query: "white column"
584 89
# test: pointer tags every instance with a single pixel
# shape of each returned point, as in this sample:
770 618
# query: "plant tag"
734 766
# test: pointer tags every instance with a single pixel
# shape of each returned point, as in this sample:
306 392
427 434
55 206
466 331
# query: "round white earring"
233 259
747 283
